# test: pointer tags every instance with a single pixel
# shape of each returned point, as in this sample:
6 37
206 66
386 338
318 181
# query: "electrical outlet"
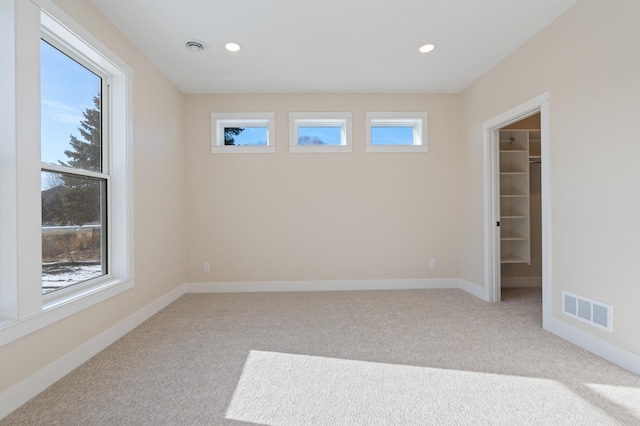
432 264
205 267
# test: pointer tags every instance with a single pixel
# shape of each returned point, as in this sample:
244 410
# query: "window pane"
319 135
73 230
70 111
246 136
391 135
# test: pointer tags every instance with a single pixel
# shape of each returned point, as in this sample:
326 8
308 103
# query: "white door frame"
492 197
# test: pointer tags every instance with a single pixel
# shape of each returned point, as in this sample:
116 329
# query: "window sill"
231 149
305 149
396 148
62 308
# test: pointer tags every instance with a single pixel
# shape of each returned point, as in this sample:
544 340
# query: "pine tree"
87 153
81 198
229 133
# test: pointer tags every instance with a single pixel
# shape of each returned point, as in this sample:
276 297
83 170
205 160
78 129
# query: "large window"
75 170
66 236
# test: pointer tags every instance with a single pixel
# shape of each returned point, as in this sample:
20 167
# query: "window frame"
320 119
105 167
417 120
26 309
220 120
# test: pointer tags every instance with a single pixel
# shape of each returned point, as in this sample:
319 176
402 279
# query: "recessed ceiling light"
426 48
232 47
194 46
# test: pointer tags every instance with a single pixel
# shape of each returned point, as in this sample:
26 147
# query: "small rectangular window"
396 132
319 132
242 133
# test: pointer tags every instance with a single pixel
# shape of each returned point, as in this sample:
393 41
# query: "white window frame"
220 120
320 119
27 310
62 44
417 120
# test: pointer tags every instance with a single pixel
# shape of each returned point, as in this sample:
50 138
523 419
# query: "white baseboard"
22 392
473 289
610 352
339 285
516 282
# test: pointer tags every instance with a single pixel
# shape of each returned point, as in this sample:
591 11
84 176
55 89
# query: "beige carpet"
415 357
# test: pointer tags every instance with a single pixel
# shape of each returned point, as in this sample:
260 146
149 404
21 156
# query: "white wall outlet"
205 267
432 264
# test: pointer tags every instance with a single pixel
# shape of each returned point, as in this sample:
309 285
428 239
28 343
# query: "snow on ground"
64 276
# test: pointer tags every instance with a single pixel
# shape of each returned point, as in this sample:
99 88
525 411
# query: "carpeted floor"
414 357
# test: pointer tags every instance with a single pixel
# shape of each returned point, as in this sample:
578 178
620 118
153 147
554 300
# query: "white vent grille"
586 310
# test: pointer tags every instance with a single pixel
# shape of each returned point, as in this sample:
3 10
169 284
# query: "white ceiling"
329 45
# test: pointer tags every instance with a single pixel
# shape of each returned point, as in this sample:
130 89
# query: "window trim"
320 119
31 312
220 120
417 120
9 306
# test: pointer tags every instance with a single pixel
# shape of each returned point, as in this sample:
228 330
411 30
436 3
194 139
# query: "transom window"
319 132
396 132
242 133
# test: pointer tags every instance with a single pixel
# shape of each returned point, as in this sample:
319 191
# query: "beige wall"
159 182
304 217
583 59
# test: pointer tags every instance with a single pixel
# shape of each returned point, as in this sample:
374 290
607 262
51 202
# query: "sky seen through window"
67 90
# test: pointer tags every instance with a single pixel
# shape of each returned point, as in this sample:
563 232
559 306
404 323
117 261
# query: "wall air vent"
586 310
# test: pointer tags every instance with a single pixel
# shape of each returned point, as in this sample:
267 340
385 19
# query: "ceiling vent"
194 46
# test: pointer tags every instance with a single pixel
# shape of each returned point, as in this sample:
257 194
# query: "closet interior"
520 204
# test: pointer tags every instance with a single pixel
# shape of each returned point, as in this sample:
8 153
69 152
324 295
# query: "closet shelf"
512 236
513 259
515 243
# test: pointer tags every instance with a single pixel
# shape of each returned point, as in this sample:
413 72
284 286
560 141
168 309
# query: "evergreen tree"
229 133
87 153
78 200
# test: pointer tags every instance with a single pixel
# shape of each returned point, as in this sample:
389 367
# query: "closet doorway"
517 214
520 164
